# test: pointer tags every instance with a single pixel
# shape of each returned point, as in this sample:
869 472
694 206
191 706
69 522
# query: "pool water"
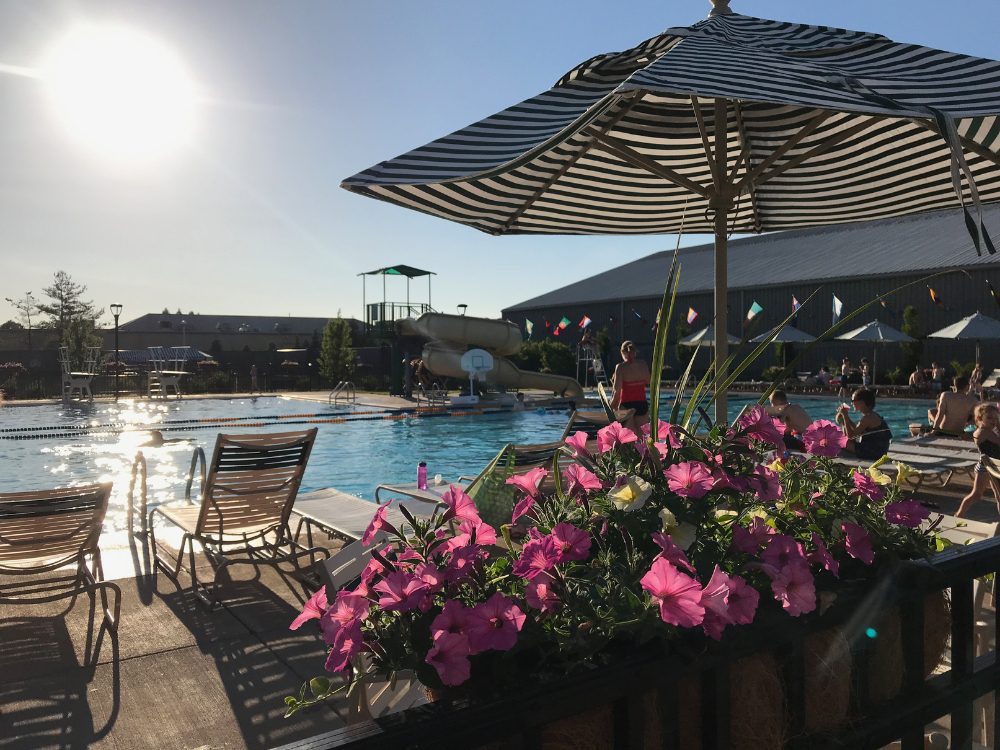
48 446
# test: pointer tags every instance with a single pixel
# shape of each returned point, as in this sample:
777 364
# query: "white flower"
684 535
632 495
669 520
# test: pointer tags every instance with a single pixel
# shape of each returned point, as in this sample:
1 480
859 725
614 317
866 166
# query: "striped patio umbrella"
734 124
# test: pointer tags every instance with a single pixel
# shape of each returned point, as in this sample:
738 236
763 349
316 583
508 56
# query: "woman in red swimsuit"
630 380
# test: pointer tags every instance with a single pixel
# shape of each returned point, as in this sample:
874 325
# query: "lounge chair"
51 531
246 501
78 381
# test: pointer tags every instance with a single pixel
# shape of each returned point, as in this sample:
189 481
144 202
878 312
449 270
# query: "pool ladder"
139 475
345 390
433 396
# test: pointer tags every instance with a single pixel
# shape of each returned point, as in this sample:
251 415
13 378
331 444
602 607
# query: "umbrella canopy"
787 335
822 126
877 332
705 337
977 327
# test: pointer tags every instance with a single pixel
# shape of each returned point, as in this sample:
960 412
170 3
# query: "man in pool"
954 409
794 416
156 440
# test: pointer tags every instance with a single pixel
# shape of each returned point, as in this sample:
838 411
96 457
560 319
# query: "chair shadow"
44 693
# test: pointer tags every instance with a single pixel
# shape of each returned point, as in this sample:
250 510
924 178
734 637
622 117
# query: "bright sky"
230 203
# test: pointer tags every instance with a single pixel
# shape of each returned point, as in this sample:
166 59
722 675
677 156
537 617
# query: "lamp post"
116 310
462 309
184 324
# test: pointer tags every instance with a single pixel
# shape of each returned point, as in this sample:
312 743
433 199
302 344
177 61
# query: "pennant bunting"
754 311
637 314
555 331
935 298
563 323
795 304
585 321
993 293
548 325
529 327
692 315
838 308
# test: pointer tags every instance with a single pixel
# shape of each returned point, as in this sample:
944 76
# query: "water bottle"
422 475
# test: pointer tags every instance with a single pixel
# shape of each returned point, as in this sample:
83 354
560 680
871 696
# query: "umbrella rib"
826 145
970 145
703 131
751 178
636 159
751 191
594 133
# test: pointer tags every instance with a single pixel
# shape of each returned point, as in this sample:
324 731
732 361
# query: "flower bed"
629 545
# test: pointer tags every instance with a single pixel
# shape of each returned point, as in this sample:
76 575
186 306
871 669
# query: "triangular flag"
838 308
692 315
529 327
935 298
795 304
555 331
637 314
564 322
585 321
754 310
993 293
548 325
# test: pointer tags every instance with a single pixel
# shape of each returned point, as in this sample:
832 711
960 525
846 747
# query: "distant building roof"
157 323
906 245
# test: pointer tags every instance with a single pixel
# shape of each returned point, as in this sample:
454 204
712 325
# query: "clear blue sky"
298 95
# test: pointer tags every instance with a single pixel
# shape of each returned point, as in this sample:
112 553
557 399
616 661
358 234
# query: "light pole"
116 310
184 324
462 309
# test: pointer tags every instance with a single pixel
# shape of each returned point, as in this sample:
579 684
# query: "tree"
911 327
166 311
26 308
78 335
67 304
336 354
11 326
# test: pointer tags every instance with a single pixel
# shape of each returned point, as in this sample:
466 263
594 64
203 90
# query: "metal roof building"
856 262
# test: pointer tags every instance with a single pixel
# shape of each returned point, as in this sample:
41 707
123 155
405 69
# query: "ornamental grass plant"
617 546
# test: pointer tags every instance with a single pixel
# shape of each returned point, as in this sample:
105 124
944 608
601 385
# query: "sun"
120 93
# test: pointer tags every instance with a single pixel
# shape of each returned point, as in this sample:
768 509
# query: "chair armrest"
197 459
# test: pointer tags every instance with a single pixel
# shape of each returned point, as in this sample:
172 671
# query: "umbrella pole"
721 314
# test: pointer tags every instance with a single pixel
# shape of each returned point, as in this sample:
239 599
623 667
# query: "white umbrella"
977 327
705 337
787 335
877 333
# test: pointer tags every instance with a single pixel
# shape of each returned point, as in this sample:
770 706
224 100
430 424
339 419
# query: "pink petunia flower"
752 538
401 592
760 425
570 543
824 438
451 619
858 543
539 594
865 485
671 552
783 551
906 513
743 601
494 624
347 608
767 484
578 443
715 599
689 479
348 642
378 523
450 658
614 434
795 589
484 533
463 562
313 609
580 481
678 595
666 432
529 482
822 556
432 575
459 504
537 556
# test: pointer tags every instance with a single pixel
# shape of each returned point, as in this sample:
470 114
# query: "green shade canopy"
399 270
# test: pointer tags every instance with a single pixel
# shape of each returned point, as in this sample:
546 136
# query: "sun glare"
120 93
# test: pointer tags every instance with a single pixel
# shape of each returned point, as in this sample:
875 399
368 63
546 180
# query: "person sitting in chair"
794 416
630 380
954 409
870 436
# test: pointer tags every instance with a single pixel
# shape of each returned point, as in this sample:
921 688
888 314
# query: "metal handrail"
138 466
197 459
344 389
436 394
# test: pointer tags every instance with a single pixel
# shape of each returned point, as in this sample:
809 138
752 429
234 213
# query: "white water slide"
451 335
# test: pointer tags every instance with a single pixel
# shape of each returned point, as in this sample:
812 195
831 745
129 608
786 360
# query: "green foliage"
604 343
957 368
546 355
78 335
336 355
66 305
772 373
11 326
912 351
899 376
684 353
210 382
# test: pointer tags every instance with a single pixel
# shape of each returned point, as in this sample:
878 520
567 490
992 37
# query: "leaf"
320 686
660 342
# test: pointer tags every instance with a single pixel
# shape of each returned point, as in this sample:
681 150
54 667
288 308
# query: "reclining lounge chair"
245 505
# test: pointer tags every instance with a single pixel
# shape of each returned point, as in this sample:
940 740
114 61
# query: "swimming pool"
47 446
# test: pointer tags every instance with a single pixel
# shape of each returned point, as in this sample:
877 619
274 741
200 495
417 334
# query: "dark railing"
518 719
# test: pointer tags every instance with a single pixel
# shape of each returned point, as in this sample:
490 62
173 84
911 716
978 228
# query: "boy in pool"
987 437
156 440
